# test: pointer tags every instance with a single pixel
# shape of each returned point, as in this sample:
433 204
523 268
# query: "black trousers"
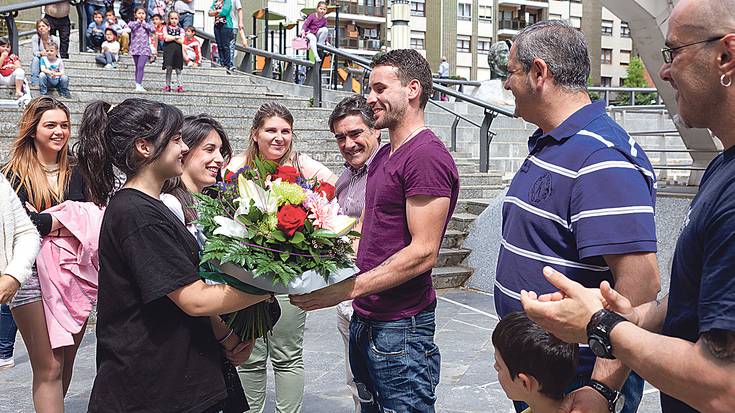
62 26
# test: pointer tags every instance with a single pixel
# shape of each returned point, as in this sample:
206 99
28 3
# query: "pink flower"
322 211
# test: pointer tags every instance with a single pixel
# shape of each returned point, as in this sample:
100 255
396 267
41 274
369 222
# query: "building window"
464 11
576 22
607 26
485 13
483 45
418 8
605 81
463 44
606 56
554 16
622 82
624 29
624 57
417 40
506 15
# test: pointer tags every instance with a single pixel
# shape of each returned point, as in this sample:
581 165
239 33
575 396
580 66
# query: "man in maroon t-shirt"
411 192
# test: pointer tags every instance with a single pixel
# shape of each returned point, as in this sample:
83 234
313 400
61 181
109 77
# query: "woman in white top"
271 138
19 243
40 42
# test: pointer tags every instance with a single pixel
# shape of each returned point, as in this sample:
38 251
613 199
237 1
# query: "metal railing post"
12 30
632 98
82 14
335 58
485 140
317 85
453 143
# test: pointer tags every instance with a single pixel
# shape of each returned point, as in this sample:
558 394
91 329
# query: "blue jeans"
105 58
7 332
60 83
632 391
395 364
233 41
185 20
35 69
223 36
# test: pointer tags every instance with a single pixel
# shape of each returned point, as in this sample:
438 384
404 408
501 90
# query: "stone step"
479 191
478 179
461 221
450 277
122 83
451 256
453 238
474 206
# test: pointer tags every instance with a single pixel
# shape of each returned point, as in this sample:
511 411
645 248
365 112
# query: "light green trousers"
285 349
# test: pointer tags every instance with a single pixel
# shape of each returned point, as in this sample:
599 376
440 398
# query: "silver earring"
722 80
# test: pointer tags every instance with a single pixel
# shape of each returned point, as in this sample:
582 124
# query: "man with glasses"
353 125
683 344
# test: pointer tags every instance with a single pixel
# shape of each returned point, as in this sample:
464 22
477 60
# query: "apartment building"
460 30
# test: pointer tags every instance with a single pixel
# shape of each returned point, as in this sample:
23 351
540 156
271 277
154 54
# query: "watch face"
598 349
619 403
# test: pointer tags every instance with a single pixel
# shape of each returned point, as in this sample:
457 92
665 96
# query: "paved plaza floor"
465 321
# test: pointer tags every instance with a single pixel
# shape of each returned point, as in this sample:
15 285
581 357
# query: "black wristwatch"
615 399
598 332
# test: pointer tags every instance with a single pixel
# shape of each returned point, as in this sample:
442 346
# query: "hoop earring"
722 80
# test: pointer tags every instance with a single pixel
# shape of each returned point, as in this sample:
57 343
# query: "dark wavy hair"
107 136
410 65
195 130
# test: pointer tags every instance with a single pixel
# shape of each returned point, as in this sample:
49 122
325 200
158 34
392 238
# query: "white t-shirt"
112 47
236 5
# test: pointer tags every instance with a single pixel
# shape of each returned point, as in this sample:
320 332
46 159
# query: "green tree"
636 78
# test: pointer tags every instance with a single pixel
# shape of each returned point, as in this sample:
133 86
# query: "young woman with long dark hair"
156 349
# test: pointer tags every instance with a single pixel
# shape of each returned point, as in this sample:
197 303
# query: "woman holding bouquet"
156 350
271 138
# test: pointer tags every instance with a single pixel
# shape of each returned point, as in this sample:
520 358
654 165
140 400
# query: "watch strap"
610 394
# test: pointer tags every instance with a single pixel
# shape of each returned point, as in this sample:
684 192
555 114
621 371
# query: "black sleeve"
158 262
42 221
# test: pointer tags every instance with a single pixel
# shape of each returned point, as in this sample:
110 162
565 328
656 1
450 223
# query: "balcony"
362 10
360 44
531 3
511 24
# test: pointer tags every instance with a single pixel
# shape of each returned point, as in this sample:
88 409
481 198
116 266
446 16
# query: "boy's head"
51 49
110 34
190 31
157 19
97 17
530 360
110 15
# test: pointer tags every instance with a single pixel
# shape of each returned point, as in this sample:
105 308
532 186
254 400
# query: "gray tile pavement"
465 320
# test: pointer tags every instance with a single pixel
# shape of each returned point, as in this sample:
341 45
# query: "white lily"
229 227
249 190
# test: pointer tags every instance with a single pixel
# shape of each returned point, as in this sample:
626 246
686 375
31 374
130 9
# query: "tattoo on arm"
721 344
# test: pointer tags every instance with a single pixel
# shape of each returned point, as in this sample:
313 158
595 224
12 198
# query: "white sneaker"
108 66
7 363
140 88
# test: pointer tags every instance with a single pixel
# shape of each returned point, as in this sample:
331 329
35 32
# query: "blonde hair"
25 170
265 112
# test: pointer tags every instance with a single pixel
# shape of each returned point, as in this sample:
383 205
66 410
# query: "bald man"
684 344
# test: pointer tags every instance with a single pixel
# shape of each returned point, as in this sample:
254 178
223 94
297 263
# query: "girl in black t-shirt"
156 350
42 173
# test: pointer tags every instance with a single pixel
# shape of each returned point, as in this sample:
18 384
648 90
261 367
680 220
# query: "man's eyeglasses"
353 134
669 52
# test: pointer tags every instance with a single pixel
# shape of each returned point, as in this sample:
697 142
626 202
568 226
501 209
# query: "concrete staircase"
233 99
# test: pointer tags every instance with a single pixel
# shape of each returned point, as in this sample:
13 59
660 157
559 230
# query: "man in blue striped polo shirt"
582 202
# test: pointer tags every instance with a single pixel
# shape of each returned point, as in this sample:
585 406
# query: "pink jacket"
67 270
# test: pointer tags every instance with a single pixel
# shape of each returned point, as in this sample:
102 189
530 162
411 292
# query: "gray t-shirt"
183 7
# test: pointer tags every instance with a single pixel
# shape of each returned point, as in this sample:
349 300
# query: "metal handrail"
10 12
248 64
491 111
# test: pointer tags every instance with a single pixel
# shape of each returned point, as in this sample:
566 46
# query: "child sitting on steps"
110 50
52 72
193 48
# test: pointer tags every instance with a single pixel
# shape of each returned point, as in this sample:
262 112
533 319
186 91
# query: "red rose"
327 188
291 219
286 173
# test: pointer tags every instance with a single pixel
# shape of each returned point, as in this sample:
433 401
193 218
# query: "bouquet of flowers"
268 226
